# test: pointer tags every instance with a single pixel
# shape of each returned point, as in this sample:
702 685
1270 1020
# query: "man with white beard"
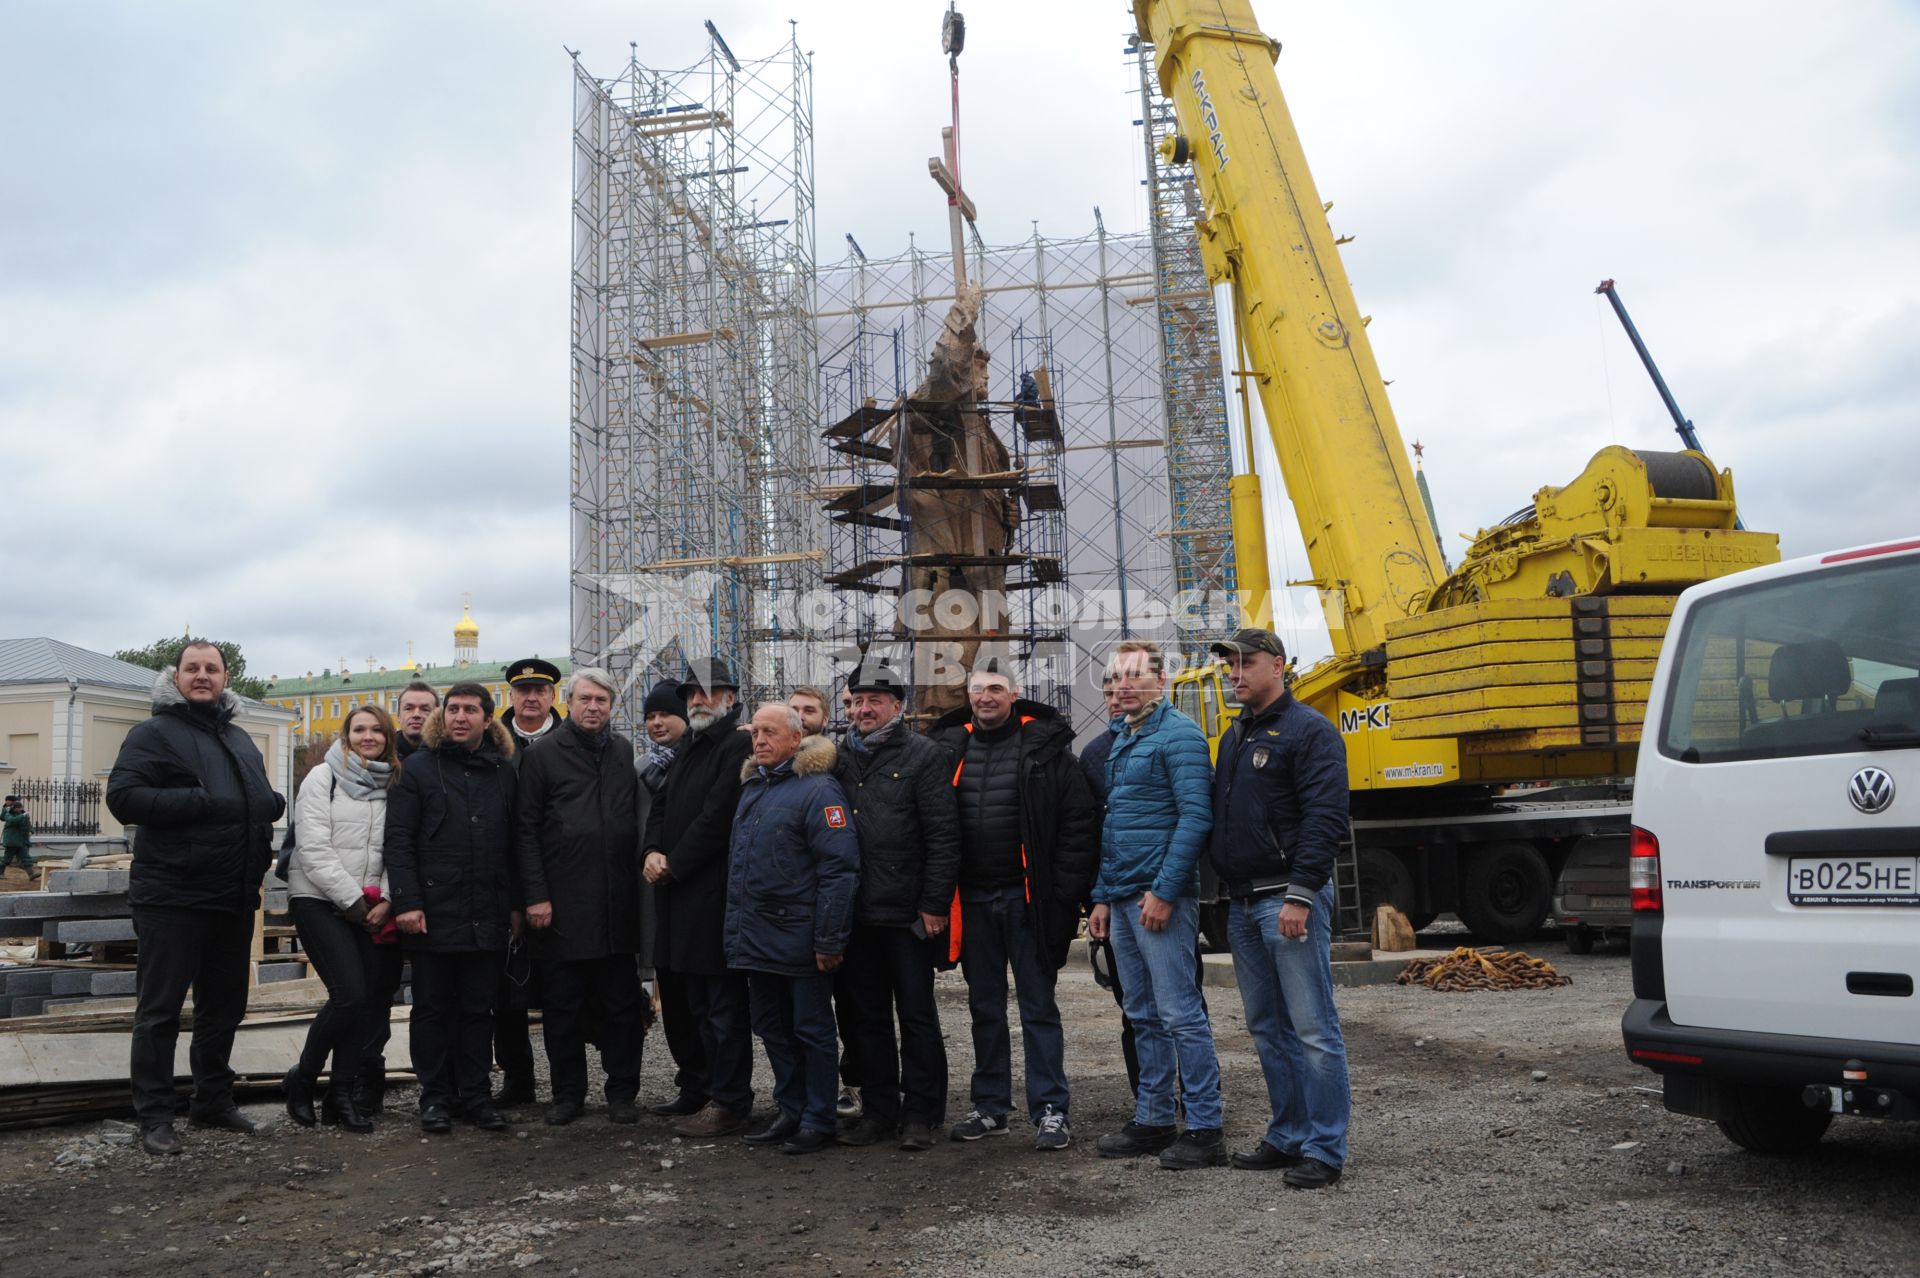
688 831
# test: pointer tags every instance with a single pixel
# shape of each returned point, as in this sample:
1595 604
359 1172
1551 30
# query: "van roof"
1805 563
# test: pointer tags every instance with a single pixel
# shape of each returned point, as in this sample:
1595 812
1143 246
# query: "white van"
1776 850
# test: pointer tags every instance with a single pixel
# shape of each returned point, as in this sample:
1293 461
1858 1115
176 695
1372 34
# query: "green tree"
162 653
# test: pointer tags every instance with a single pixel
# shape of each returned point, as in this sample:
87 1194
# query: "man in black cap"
688 833
529 717
1279 816
664 716
900 787
532 685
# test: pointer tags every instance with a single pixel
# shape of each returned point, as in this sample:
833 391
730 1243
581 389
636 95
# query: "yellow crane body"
1529 662
1630 523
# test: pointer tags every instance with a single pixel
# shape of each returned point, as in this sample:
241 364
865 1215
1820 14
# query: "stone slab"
90 931
108 984
87 882
60 905
27 980
65 983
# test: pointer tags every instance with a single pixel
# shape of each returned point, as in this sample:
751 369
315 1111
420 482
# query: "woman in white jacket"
336 884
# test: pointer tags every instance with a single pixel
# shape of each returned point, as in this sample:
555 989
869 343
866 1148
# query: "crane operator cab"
1775 869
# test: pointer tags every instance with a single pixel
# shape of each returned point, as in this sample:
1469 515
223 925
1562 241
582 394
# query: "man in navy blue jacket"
1279 817
792 872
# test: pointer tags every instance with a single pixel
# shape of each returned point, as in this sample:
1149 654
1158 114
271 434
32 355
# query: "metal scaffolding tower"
1198 459
694 370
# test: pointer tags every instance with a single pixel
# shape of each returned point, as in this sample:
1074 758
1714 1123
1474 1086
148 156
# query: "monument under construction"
716 508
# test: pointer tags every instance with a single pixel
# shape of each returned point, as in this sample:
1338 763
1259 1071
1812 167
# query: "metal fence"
60 807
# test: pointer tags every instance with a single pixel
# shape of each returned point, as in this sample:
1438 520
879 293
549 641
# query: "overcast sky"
283 288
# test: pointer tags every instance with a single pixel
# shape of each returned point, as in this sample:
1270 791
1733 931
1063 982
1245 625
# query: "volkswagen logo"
1871 790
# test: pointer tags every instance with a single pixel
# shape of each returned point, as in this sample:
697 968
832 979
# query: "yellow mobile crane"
1529 663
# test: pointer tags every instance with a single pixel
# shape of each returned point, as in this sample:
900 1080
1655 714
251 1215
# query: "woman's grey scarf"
361 779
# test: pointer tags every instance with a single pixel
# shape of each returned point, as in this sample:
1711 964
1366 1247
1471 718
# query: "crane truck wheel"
1505 892
1384 880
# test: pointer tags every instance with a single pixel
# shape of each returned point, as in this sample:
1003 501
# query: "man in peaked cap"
529 717
688 834
900 788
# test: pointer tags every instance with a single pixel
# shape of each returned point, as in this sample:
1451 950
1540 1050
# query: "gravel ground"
1463 1163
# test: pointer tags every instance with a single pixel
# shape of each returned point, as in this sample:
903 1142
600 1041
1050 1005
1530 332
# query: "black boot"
300 1097
339 1109
370 1091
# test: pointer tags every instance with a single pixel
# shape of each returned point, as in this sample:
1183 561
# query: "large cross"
946 172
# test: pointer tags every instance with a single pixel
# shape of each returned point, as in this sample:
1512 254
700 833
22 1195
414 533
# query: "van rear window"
1815 664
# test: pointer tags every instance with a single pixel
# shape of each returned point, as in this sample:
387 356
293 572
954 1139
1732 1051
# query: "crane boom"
1372 552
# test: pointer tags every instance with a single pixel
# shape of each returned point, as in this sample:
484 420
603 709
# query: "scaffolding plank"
864 448
866 519
1044 497
861 496
699 338
858 422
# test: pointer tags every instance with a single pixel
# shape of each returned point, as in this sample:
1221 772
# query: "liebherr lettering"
1211 119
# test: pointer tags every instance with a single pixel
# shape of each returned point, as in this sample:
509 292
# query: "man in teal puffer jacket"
1159 781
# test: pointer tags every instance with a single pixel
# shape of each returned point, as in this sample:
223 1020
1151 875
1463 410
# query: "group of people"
777 882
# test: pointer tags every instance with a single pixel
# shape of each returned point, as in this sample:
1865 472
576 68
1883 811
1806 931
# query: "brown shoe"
712 1121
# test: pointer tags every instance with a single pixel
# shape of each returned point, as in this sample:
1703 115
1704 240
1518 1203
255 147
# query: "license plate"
1608 903
1856 880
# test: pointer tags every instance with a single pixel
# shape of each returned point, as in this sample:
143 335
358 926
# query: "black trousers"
389 967
512 1039
889 973
723 1011
452 1026
607 991
342 954
202 950
684 1041
852 1072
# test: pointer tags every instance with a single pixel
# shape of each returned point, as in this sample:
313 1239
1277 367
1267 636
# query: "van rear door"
1786 802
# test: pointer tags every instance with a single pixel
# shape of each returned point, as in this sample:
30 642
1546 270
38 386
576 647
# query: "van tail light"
1643 870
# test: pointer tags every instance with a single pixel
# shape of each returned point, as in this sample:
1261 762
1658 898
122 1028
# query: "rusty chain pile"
1495 969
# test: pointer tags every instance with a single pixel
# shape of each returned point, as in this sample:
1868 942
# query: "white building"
64 711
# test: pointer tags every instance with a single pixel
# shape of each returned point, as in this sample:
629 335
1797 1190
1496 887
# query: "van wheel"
1579 940
1384 880
1768 1120
1505 892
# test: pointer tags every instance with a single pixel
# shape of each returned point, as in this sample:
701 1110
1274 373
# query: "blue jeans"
996 932
1161 994
1286 988
793 1015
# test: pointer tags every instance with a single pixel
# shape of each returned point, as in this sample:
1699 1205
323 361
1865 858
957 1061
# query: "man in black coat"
577 839
193 781
688 832
1029 848
900 787
456 899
